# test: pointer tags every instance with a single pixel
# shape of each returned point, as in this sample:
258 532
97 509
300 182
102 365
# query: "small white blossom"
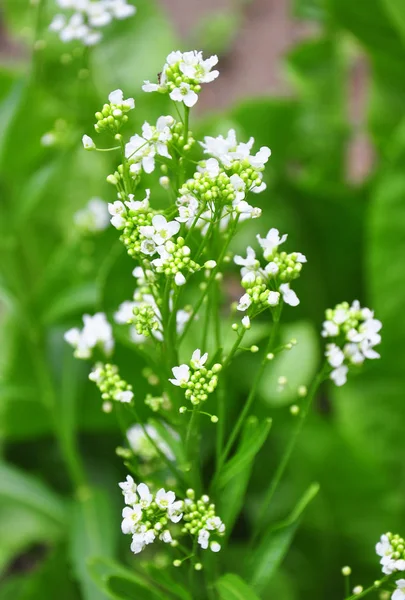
198 361
399 593
93 217
117 211
181 375
164 499
131 517
88 143
339 375
244 302
271 242
334 355
289 296
129 490
96 331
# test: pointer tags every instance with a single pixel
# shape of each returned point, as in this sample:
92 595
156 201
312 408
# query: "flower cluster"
200 520
197 381
87 18
182 76
354 332
129 217
93 217
265 285
147 515
141 150
139 439
144 312
391 549
113 115
110 384
97 332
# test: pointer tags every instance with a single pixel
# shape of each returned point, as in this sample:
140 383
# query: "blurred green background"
336 184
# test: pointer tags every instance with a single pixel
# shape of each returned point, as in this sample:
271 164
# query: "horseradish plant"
180 256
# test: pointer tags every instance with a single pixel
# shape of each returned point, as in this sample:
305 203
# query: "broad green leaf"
396 11
275 542
22 488
81 298
255 434
233 490
92 533
164 578
299 364
118 582
232 587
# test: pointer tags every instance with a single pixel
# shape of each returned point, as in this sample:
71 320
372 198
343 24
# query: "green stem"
251 397
234 348
210 280
289 450
372 588
192 447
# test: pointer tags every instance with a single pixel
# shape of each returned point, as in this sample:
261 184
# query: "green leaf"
255 434
299 364
24 489
164 579
80 298
232 587
275 543
119 583
237 471
92 534
396 11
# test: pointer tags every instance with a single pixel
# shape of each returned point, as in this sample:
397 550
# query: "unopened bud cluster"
198 381
201 520
113 115
110 384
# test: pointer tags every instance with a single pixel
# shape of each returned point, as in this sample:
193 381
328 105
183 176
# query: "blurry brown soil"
253 65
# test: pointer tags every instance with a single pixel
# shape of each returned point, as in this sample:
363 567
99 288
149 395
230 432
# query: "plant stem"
192 447
372 588
251 396
319 378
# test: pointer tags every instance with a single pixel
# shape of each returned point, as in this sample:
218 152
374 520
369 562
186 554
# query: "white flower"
163 230
181 375
96 331
138 543
141 153
215 547
244 302
215 524
179 279
330 329
271 269
273 298
131 517
271 242
184 94
125 312
120 9
334 355
145 497
75 29
129 490
198 361
175 511
93 217
164 499
141 445
117 97
339 375
118 211
383 547
57 23
289 296
246 322
148 246
97 14
166 536
123 396
188 209
210 167
399 593
88 143
250 265
150 87
203 537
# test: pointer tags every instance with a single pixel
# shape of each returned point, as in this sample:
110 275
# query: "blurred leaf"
80 298
232 587
396 10
298 365
237 471
249 447
164 578
216 32
310 9
24 489
136 47
275 543
92 533
119 582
